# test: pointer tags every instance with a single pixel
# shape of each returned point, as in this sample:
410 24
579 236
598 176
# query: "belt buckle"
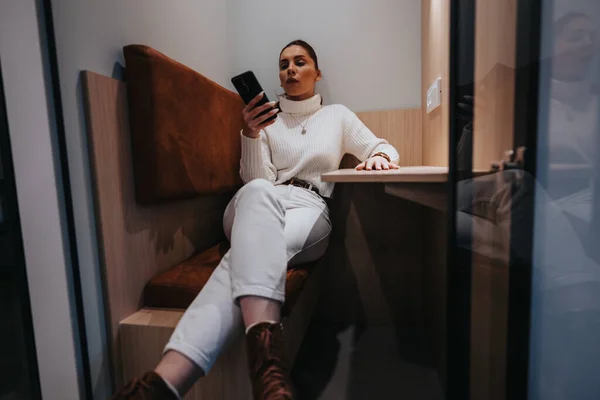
301 183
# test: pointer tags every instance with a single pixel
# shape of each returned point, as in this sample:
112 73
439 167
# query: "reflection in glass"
493 213
565 350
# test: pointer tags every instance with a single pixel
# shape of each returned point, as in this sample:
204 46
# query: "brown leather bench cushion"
179 286
185 129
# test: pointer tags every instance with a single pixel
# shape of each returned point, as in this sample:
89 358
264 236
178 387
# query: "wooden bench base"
143 336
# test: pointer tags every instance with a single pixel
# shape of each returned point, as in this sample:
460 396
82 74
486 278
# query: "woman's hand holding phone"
254 122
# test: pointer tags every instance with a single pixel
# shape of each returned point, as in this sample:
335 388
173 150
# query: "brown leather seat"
185 129
177 287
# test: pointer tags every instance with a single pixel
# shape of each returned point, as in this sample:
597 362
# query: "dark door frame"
526 111
458 272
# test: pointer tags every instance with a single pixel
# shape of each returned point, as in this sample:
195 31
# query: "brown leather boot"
149 387
269 369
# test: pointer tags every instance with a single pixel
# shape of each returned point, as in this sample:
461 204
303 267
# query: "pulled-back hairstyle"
309 49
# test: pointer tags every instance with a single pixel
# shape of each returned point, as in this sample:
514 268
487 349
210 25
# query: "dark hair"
309 49
565 20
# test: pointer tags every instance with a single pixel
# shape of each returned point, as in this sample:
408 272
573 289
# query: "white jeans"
269 227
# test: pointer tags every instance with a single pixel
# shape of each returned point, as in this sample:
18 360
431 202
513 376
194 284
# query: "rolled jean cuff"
258 291
195 355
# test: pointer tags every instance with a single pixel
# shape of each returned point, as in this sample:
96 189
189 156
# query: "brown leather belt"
303 184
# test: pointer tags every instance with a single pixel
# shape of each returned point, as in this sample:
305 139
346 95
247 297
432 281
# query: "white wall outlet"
434 95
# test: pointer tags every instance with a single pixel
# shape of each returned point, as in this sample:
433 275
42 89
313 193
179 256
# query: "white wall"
90 36
370 55
369 51
32 131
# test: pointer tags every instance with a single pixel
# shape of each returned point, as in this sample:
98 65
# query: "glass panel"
484 132
565 325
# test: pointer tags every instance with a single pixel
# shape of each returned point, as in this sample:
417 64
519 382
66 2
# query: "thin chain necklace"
304 130
300 123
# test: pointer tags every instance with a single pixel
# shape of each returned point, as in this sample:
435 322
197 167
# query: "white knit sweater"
283 152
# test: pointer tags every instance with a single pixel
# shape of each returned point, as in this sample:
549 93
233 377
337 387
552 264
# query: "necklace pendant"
304 131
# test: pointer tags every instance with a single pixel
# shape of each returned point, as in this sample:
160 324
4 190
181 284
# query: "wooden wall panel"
489 319
495 47
493 130
489 258
435 53
402 128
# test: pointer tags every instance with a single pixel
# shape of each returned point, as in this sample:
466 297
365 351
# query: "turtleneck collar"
300 107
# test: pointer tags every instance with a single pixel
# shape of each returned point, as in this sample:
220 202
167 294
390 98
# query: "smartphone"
248 87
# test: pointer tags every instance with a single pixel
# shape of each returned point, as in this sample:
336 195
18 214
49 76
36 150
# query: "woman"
279 218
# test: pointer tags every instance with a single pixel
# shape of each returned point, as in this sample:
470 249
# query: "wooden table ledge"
420 174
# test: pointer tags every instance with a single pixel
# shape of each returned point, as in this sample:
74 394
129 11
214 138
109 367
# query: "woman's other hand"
377 163
254 122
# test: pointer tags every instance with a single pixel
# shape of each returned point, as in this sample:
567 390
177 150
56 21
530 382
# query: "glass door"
564 354
524 265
